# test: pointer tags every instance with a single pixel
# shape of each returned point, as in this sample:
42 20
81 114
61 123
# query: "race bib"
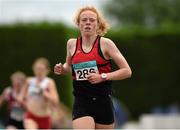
83 69
17 113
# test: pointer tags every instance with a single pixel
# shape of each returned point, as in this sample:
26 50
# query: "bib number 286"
84 68
82 74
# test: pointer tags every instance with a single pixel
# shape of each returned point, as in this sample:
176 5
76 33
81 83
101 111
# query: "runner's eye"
92 20
84 20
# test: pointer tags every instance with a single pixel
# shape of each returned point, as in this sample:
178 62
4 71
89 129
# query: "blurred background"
147 32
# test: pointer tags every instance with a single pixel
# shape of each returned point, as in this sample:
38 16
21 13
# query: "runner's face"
88 23
17 81
40 70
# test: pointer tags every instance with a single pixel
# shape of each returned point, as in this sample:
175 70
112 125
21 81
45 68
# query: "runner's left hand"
94 78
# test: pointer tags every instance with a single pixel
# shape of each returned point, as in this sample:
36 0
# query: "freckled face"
88 22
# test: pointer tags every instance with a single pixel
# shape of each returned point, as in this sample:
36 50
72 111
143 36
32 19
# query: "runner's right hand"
58 69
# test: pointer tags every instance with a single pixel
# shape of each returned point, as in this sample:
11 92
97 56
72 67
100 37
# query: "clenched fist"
58 69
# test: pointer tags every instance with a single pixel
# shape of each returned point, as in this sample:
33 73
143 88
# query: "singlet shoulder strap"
77 45
100 49
96 42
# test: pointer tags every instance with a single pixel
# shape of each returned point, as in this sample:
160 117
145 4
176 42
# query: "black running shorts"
99 108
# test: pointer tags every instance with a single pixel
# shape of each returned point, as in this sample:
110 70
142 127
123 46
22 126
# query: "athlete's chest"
84 57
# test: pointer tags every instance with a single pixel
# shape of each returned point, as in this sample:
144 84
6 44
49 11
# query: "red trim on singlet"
104 66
